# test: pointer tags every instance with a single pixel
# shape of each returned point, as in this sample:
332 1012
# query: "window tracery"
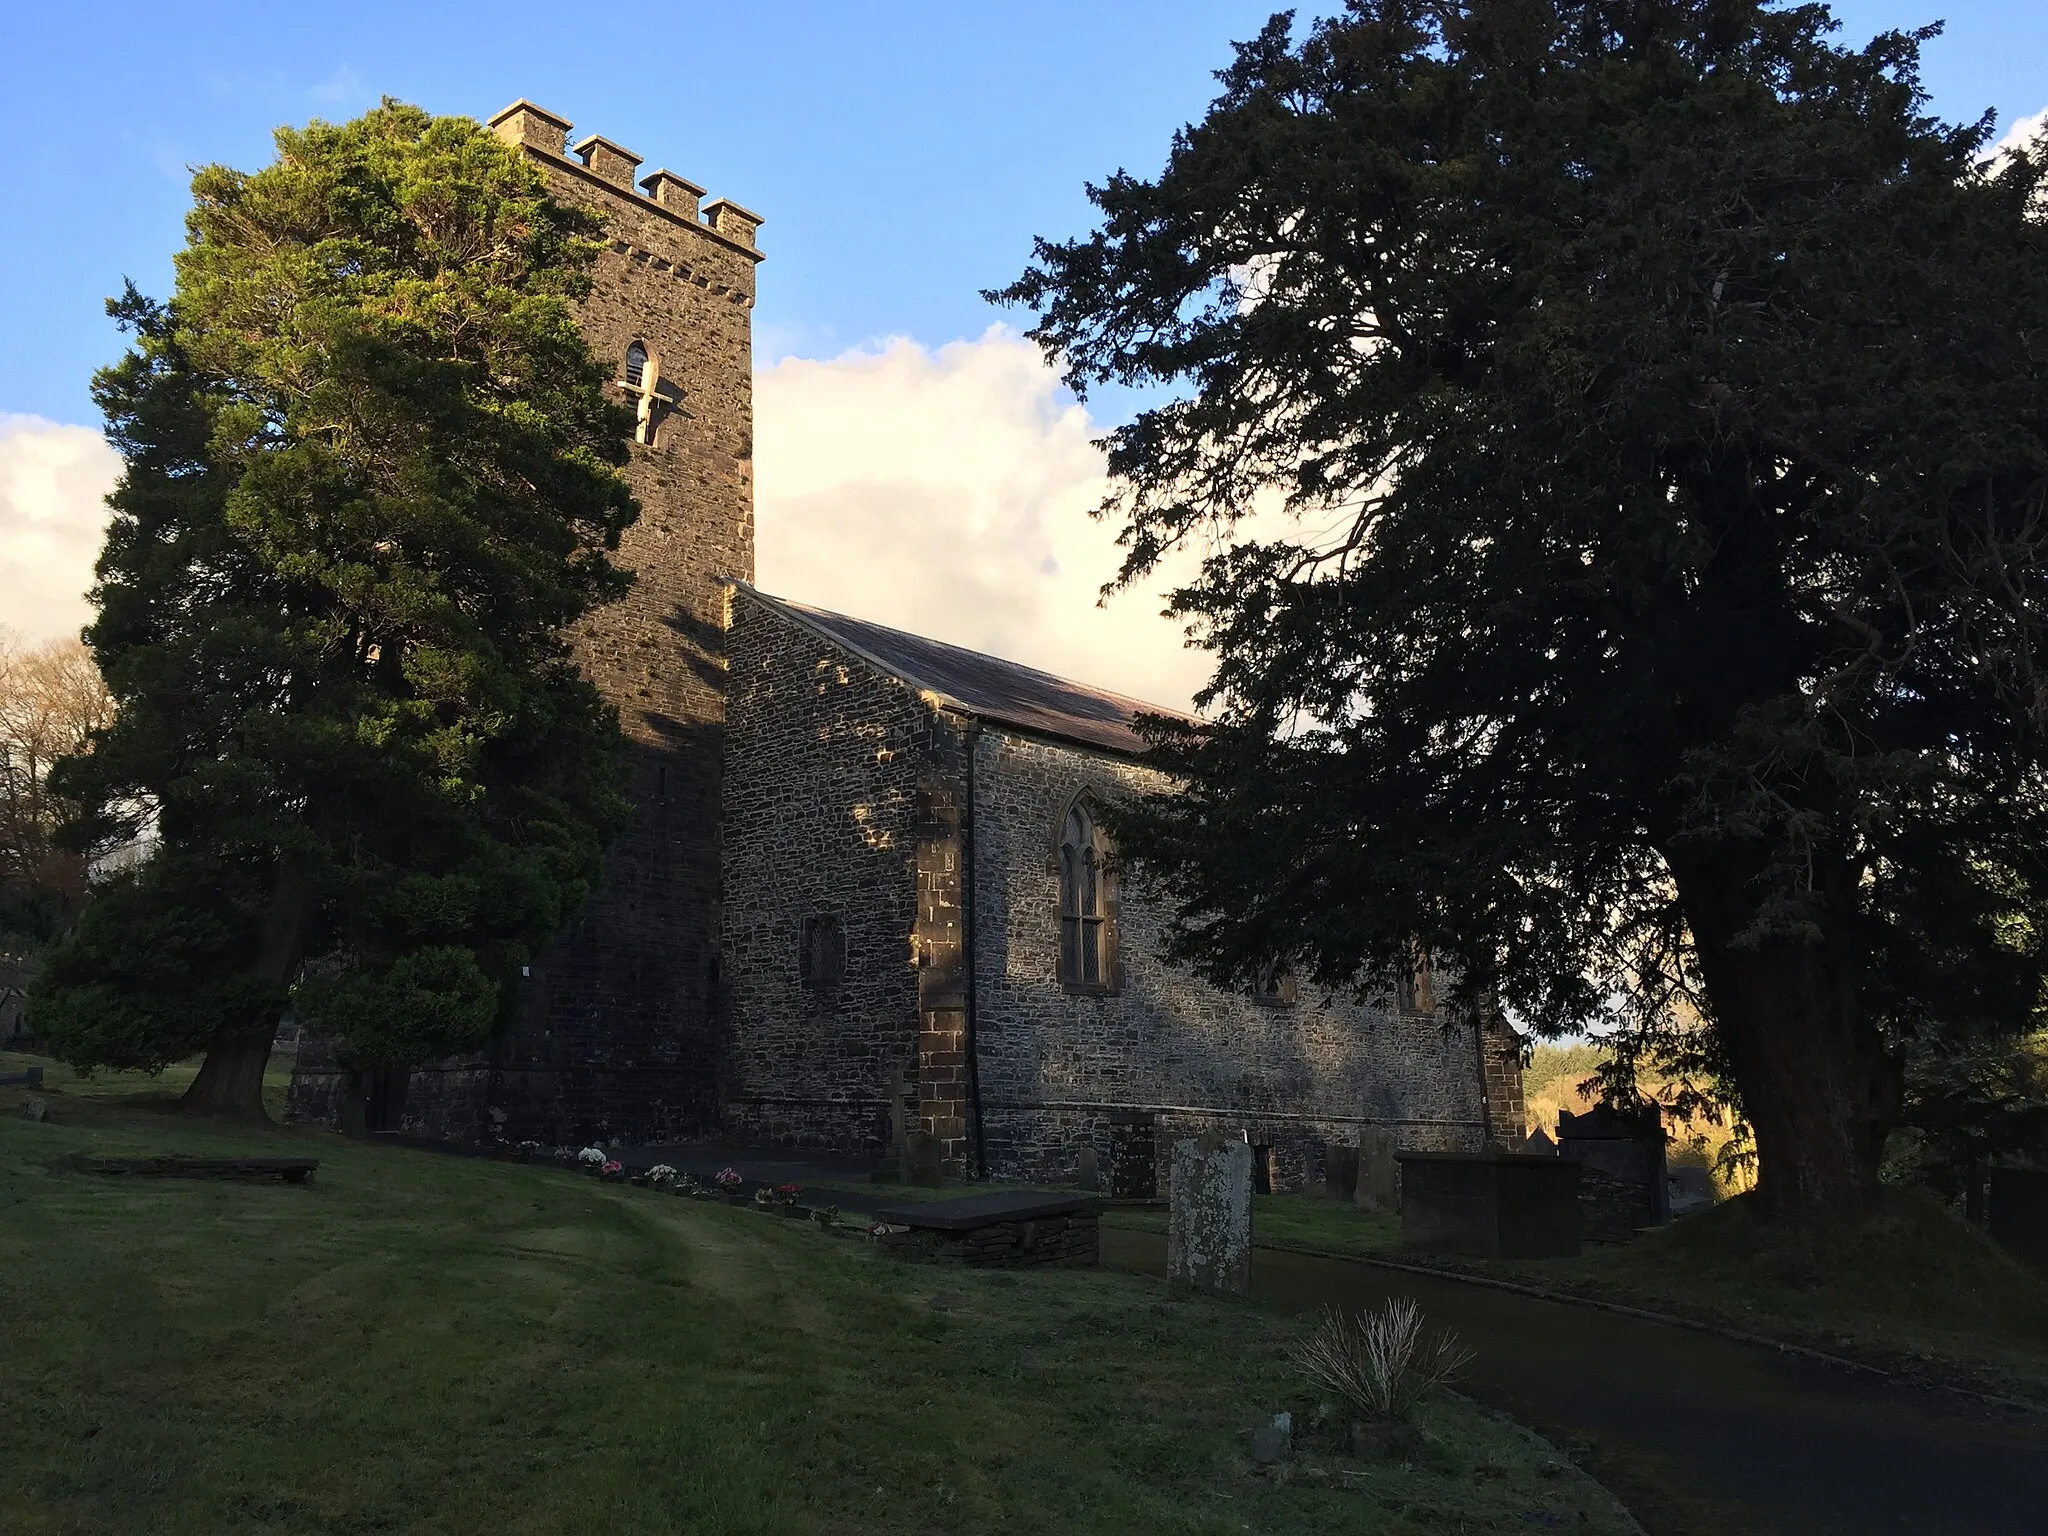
1087 931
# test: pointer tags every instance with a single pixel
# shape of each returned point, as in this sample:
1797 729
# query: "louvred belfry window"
636 366
1087 935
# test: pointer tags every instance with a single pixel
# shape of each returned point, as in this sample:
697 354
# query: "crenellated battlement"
612 164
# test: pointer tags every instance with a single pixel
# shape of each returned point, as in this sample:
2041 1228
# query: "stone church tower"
616 1034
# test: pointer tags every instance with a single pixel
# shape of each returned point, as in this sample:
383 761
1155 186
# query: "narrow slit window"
636 366
821 952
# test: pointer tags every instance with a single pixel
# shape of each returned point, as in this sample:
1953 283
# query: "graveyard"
1907 1286
434 1343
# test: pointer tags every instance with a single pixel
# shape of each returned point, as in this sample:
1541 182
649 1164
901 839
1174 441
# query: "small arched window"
636 366
1087 933
1275 985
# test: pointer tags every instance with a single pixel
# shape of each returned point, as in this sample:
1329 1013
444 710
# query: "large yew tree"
1618 434
371 474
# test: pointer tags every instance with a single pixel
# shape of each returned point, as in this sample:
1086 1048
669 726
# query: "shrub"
1379 1364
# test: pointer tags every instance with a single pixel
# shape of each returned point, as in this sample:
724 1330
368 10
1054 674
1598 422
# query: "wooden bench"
293 1170
1009 1230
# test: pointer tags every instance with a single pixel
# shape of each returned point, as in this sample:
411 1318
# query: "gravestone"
1622 1153
926 1155
1539 1144
1494 1205
1086 1175
1378 1186
1209 1218
897 1091
34 1109
2019 1213
1133 1155
1265 1169
1340 1171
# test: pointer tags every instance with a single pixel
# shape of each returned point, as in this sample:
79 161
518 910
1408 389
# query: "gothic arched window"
1415 992
1087 933
636 366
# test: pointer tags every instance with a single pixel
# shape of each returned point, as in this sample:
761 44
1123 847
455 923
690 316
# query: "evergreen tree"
1652 398
371 475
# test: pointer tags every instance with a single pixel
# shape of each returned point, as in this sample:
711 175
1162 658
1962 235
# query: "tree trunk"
1819 1087
230 1080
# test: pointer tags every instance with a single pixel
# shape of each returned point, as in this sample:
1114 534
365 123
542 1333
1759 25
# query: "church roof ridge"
974 683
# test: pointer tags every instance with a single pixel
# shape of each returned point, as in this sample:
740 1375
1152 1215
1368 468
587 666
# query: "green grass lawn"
413 1343
1908 1285
157 1087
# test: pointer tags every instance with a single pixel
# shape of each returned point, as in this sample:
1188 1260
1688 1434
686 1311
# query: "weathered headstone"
1209 1219
1340 1170
898 1092
1539 1144
34 1109
1086 1175
2019 1213
1378 1186
925 1157
1133 1155
1265 1169
1271 1442
1622 1152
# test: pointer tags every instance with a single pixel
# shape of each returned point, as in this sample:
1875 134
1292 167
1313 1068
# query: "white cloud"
53 481
2023 132
944 492
948 493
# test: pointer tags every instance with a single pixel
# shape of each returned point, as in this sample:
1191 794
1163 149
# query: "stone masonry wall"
837 789
1054 1066
616 1036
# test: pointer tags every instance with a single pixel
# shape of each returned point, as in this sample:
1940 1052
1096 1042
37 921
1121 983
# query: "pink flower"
613 1166
727 1176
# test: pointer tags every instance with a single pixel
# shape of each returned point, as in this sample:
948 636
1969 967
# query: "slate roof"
983 686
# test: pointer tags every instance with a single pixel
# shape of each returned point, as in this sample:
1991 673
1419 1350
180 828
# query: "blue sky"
904 154
913 466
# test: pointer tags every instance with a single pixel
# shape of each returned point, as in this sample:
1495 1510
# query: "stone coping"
964 1215
1548 1160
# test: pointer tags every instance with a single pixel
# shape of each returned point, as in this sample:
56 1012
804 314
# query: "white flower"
595 1156
661 1173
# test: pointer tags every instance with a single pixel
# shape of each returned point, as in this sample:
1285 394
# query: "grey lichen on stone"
1209 1218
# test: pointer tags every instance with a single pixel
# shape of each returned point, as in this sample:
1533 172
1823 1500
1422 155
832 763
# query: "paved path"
1697 1433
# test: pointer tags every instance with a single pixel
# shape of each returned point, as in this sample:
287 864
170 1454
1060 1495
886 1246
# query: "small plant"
661 1175
612 1168
727 1179
1379 1364
788 1193
592 1157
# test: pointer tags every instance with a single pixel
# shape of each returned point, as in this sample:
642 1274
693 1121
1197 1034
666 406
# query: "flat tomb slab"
1013 1230
293 1170
971 1211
